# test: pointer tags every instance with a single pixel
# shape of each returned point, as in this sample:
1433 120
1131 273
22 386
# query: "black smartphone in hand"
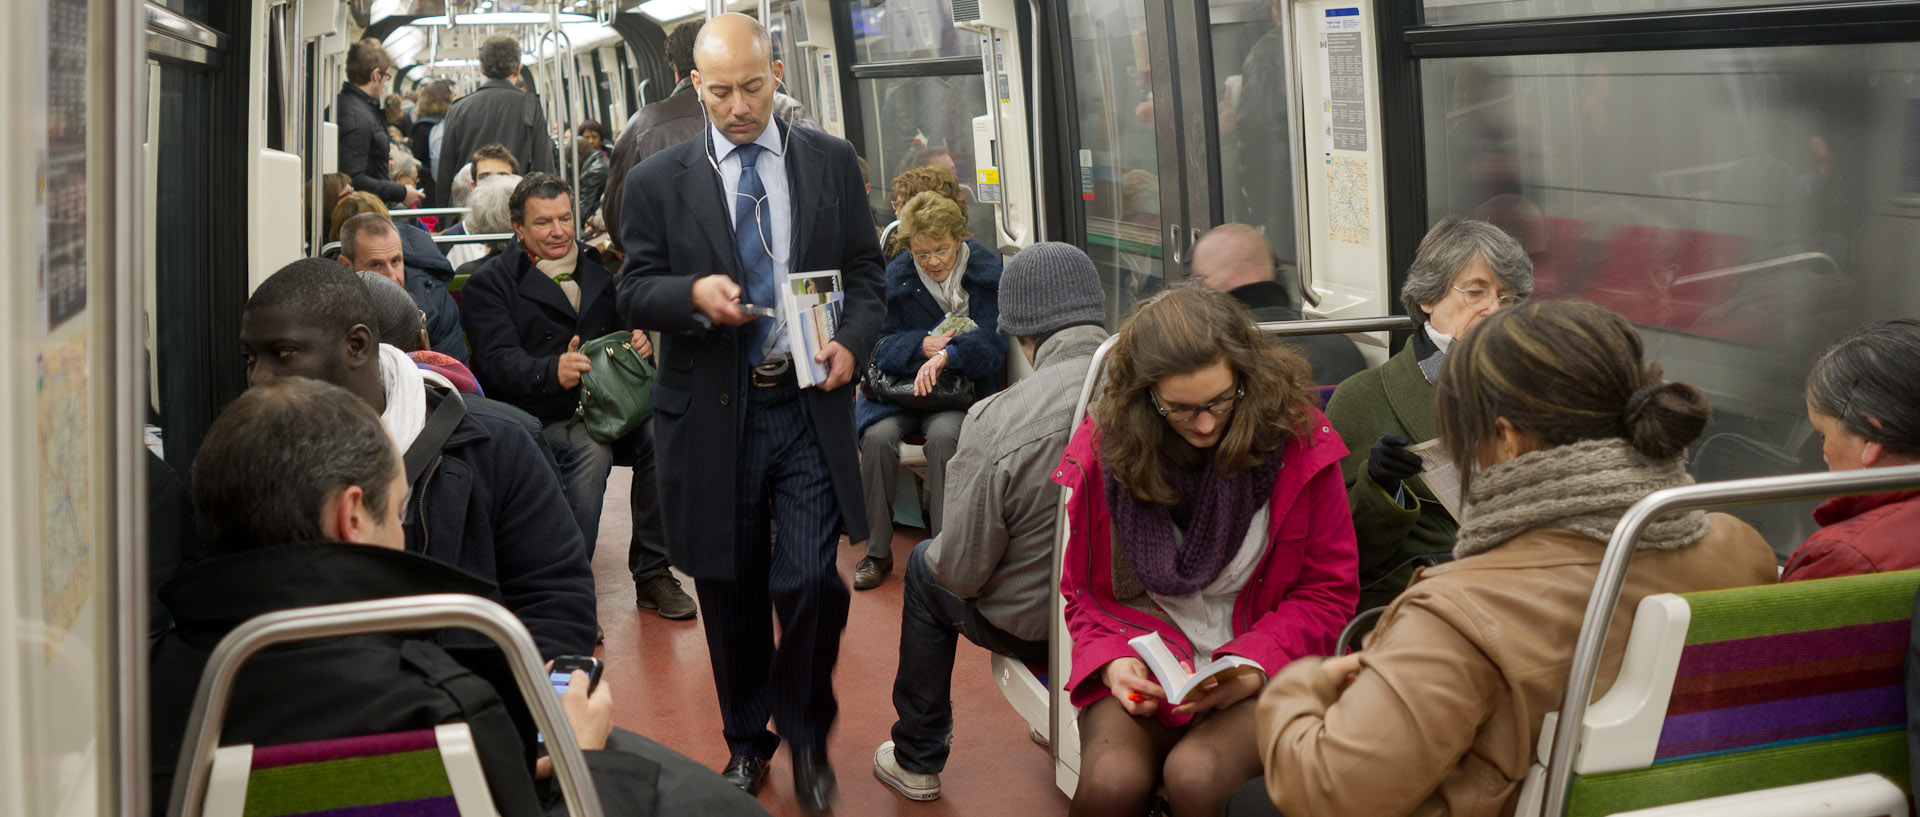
562 673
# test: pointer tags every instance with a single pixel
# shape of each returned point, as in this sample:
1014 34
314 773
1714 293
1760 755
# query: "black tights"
1123 758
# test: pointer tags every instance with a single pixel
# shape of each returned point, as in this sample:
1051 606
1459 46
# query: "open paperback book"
810 305
1174 679
1440 475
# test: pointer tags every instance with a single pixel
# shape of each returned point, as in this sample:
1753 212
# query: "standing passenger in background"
528 310
423 140
988 573
943 311
496 112
1864 403
363 125
1206 507
670 121
1236 259
593 166
1462 272
1559 425
752 455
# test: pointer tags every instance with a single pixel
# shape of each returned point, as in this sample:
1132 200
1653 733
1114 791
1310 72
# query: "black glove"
1390 462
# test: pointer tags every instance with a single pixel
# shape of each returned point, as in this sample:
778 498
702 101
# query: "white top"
1206 617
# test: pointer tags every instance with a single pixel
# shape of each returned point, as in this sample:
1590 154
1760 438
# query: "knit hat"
1048 286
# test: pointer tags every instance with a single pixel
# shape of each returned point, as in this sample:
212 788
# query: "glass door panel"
1116 154
1255 151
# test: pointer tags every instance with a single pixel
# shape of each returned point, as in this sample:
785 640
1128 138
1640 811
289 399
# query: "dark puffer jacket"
912 311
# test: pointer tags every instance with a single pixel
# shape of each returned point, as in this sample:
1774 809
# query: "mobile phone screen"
559 679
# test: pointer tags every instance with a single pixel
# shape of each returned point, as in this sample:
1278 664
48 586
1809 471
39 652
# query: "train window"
899 30
1256 153
917 121
1118 168
1446 12
1743 207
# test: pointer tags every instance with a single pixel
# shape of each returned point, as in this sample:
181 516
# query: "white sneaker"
911 785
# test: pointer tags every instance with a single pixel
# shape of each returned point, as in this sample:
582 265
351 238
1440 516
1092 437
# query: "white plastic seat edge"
1860 795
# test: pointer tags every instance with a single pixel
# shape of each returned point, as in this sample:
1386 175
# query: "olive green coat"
1392 399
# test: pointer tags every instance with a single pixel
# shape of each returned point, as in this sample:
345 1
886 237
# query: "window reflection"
918 121
1119 173
1249 55
1743 207
1446 12
895 30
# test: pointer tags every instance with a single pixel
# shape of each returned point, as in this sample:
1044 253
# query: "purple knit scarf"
1215 513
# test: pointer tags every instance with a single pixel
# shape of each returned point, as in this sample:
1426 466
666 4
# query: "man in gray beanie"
988 576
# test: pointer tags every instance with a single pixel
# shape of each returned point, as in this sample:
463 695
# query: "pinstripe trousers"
785 491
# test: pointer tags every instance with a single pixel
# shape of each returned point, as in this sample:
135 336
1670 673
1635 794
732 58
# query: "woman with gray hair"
489 214
1464 270
1865 405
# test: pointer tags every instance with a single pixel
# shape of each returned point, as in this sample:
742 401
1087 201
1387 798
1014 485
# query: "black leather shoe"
746 772
813 781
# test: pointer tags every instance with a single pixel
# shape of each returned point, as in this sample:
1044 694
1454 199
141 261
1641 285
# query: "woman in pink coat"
1207 506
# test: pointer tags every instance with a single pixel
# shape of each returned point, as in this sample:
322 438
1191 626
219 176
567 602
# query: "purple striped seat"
1795 663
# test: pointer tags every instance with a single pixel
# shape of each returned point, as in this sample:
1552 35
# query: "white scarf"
949 294
564 265
406 389
1439 338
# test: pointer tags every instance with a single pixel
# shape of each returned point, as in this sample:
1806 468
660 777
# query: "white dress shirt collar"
722 147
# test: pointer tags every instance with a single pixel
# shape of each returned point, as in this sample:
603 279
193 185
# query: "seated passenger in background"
528 310
943 311
1865 405
481 496
484 163
488 215
300 492
1236 259
371 242
1206 507
914 182
1462 272
1560 425
987 574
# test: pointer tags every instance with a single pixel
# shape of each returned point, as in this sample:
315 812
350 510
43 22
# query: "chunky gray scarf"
1584 487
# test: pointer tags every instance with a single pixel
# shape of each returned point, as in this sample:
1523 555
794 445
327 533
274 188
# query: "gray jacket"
494 112
661 125
996 550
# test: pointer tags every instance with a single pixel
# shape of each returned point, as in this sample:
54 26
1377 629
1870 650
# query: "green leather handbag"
616 395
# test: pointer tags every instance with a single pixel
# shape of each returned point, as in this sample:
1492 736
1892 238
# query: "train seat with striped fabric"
1735 691
423 773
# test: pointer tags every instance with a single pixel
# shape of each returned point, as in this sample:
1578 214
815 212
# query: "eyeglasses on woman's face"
940 254
1218 408
1477 297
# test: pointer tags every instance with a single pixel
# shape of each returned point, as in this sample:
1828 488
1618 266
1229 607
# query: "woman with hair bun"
1865 405
1559 425
1206 507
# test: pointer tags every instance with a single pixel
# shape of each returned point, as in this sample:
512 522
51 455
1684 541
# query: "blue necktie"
752 239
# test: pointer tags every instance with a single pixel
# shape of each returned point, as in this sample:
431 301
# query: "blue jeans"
932 619
584 466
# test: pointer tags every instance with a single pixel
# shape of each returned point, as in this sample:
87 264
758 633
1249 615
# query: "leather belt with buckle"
772 373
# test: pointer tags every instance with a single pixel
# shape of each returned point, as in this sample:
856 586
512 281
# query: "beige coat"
1443 716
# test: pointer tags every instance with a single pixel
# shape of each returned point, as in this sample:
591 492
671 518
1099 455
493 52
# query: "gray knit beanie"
1048 286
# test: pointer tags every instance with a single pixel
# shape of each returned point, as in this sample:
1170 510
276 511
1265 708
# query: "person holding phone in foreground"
298 493
1207 507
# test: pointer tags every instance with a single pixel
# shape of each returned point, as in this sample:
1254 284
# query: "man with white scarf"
480 495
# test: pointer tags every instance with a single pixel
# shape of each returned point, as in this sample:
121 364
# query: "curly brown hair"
1182 330
932 177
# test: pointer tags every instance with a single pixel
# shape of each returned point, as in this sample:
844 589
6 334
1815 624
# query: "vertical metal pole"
127 47
316 148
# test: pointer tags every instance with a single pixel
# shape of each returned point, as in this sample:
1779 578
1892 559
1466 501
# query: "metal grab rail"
430 211
1819 260
332 248
1613 573
1339 326
428 612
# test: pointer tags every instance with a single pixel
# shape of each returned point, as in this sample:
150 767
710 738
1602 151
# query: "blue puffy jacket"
912 311
428 274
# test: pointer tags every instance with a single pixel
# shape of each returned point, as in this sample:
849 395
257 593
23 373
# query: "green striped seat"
1773 686
421 773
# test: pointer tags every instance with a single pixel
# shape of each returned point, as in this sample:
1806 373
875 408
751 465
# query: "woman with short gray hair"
1463 271
1865 404
489 213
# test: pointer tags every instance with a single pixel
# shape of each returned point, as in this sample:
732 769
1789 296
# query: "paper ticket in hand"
1174 679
